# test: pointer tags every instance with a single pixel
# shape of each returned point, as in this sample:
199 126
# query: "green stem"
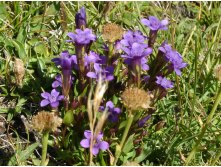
110 53
120 147
102 159
44 147
208 120
216 158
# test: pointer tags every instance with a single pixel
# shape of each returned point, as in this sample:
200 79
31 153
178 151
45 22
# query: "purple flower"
106 74
58 81
80 18
66 61
162 81
165 47
136 55
173 57
132 37
155 24
98 144
52 99
91 58
113 111
82 37
142 122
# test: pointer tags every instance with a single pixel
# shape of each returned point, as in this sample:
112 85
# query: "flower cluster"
173 57
135 49
121 53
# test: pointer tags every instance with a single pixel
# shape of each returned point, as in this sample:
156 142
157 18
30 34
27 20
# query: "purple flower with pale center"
106 73
66 61
113 111
174 57
82 37
131 37
80 18
98 144
92 57
52 99
58 81
165 83
155 24
136 55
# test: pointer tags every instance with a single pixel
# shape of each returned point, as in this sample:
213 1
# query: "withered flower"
136 99
217 72
19 71
112 32
46 121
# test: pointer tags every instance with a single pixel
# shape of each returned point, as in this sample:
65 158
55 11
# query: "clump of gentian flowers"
125 68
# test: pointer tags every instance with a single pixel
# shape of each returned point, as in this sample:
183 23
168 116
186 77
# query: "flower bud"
68 118
80 19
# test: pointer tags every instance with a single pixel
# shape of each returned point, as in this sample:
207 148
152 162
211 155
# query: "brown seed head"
135 99
217 72
19 70
112 32
46 121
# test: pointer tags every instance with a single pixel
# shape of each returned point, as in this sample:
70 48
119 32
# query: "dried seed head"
217 72
19 71
112 32
46 121
135 99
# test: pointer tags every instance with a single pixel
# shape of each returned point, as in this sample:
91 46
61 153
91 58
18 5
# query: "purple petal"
45 95
54 104
117 110
145 67
56 84
145 22
85 143
103 145
109 77
44 103
54 93
61 97
91 75
99 136
110 104
95 150
71 35
87 134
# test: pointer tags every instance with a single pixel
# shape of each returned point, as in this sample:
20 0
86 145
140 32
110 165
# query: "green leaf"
41 48
41 65
129 145
29 150
19 105
20 48
22 156
146 151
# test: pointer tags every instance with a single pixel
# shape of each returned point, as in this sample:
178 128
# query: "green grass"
36 32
